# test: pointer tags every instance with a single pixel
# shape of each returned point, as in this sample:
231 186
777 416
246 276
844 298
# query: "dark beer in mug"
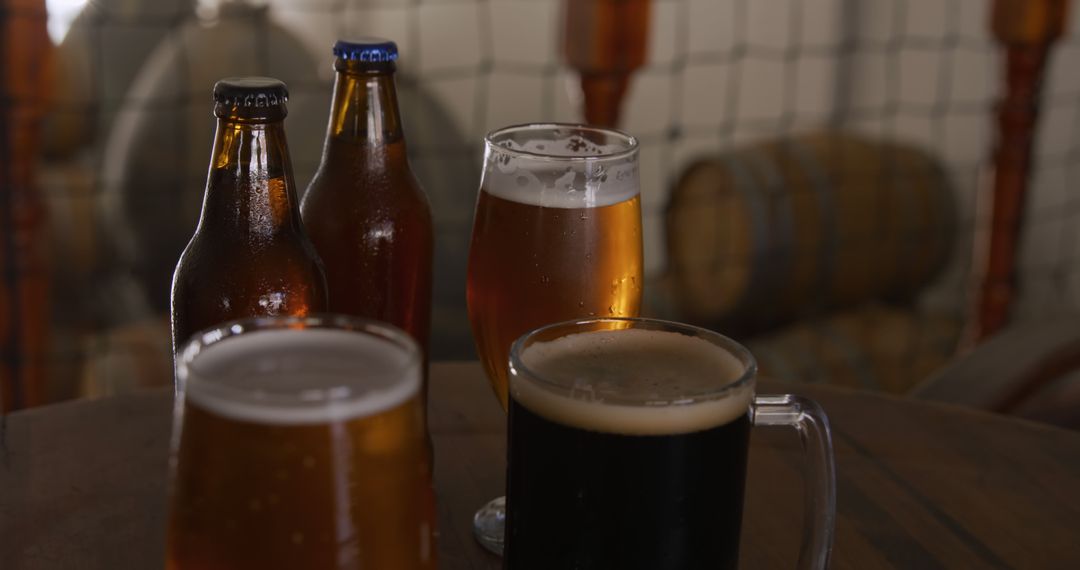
621 458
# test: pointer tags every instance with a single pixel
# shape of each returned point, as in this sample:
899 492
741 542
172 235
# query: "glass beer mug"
628 448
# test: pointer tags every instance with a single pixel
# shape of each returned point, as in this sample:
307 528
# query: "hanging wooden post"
605 41
1027 29
24 58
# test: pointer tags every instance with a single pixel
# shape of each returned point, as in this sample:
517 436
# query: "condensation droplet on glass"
588 257
581 304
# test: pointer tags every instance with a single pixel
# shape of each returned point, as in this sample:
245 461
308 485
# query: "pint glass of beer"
628 447
299 443
557 235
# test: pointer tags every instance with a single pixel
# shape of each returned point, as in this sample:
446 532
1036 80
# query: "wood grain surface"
921 486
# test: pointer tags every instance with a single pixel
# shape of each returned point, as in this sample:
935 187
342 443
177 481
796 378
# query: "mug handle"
819 511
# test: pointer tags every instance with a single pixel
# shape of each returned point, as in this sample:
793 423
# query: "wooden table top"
82 484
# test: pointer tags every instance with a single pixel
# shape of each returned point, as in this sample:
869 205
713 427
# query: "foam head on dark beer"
633 382
302 376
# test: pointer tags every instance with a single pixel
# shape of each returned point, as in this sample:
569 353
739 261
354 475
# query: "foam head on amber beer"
600 166
301 376
633 382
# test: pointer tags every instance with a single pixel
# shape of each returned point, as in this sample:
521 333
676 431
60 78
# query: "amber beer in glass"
250 255
556 235
299 443
628 449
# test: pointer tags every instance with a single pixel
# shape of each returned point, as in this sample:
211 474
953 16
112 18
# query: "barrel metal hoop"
823 189
781 248
758 278
904 208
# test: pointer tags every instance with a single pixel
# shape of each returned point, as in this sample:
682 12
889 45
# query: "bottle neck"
365 109
250 185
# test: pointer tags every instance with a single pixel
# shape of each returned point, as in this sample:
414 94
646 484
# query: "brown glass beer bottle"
250 255
366 212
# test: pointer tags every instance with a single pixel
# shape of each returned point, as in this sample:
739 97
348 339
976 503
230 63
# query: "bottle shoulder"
240 250
336 193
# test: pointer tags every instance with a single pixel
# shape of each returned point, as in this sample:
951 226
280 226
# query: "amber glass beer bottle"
367 214
250 255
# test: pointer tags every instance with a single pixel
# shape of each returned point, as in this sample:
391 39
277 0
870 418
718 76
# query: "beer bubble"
297 537
522 181
581 304
255 505
309 462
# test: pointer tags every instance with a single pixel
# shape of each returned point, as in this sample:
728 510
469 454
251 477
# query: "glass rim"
630 141
187 368
736 349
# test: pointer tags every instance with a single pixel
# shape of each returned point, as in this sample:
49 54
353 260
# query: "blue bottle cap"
366 49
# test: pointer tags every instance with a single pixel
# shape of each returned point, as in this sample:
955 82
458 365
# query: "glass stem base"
489 525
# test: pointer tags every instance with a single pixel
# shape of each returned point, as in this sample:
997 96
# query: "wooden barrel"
877 348
825 220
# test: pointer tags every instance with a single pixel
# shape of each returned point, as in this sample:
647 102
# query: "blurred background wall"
128 137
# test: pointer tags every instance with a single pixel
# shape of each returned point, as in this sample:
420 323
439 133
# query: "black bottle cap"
250 92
